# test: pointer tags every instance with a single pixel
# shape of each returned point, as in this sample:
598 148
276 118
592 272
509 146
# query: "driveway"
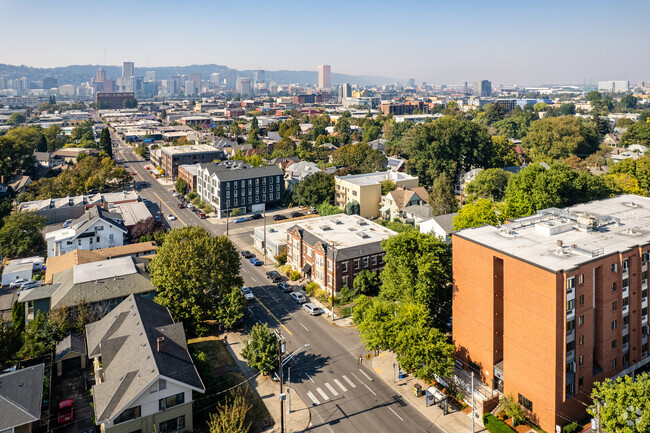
72 385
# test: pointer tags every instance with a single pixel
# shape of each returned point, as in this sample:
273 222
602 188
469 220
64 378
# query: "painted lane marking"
391 409
322 394
308 377
349 381
369 388
304 327
364 373
336 381
273 315
332 390
313 398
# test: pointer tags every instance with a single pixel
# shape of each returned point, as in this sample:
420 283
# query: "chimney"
161 344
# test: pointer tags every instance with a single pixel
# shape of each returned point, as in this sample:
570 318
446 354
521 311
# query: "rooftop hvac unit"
362 235
325 228
362 222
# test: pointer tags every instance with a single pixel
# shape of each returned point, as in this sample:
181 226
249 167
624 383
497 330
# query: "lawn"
258 416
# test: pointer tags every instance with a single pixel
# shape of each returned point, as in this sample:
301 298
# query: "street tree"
21 235
622 404
230 416
352 208
181 186
442 199
489 183
424 350
315 189
231 308
261 349
105 142
192 272
9 343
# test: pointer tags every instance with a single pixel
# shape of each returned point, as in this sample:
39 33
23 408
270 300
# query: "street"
343 394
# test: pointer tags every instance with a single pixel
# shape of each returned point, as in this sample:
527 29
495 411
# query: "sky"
522 42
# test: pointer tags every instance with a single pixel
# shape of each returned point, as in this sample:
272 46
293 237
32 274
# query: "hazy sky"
518 41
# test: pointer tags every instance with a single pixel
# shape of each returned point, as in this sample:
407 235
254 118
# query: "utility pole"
227 216
264 247
473 402
282 396
289 387
598 430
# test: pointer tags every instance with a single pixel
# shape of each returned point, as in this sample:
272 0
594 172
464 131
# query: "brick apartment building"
188 174
332 250
549 304
113 100
396 109
172 157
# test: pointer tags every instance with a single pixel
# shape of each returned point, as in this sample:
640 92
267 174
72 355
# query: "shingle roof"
72 342
225 172
126 339
20 396
446 222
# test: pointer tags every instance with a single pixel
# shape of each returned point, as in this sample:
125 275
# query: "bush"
570 428
347 295
235 212
513 409
295 276
284 269
281 259
495 425
192 195
311 288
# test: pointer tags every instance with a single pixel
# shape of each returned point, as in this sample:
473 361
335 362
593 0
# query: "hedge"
495 425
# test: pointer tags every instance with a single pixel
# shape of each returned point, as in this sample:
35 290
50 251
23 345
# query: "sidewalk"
299 418
452 423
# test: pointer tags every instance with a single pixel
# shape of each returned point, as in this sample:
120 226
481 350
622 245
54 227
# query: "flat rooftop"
104 269
345 231
375 178
192 148
563 239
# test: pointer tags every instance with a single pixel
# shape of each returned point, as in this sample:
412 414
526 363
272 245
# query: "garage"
71 364
70 354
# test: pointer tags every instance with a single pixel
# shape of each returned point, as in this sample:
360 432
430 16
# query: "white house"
95 229
441 226
21 268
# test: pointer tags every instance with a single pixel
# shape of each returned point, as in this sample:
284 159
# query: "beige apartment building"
366 189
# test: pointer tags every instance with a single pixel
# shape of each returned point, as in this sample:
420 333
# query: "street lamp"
294 353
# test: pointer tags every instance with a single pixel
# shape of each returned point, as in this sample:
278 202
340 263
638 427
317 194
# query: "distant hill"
77 74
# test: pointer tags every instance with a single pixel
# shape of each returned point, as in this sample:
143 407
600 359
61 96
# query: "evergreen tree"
41 145
105 142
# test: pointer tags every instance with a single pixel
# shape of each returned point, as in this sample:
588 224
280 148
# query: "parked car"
284 287
171 217
298 297
312 309
241 220
256 216
180 206
66 411
296 214
274 276
67 223
31 284
17 282
146 167
132 173
312 211
279 217
247 254
247 293
255 261
202 216
157 217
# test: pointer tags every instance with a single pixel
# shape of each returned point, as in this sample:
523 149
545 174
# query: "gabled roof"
71 343
126 339
446 222
20 396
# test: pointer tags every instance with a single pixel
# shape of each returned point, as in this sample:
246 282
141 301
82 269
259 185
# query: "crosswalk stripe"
313 398
349 381
322 394
364 373
336 381
332 390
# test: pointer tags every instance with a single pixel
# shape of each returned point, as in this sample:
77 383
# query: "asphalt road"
344 396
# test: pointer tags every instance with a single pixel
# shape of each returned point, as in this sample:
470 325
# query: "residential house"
102 284
95 229
132 213
144 373
70 354
393 203
365 189
21 395
417 214
396 164
297 171
332 250
440 225
21 269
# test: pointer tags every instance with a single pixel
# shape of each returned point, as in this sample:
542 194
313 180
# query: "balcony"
644 319
644 302
571 314
626 347
644 284
571 336
570 356
626 309
626 329
626 291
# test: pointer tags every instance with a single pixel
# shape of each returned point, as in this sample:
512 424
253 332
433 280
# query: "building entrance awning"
306 269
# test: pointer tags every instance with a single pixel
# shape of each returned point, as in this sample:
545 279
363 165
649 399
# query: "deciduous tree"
366 282
21 235
315 189
560 137
489 183
261 349
624 404
231 415
442 199
477 213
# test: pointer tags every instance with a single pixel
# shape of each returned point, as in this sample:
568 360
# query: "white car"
171 217
247 293
17 282
298 297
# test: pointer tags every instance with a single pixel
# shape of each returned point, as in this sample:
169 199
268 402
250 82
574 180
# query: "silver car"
248 294
298 297
313 310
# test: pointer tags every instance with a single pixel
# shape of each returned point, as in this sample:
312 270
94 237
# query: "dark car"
181 206
274 276
256 216
296 214
279 217
284 287
247 254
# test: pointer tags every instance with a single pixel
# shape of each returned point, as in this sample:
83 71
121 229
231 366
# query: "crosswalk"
336 388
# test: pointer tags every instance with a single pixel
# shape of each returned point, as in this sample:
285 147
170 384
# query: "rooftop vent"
325 227
336 221
160 343
362 222
352 229
362 235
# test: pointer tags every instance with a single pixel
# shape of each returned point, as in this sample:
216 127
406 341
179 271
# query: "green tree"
504 152
105 142
254 131
567 109
418 269
352 208
477 213
442 199
628 102
18 318
235 130
39 338
21 235
16 119
326 208
315 189
41 146
284 148
366 282
425 351
9 343
130 103
387 186
261 349
192 272
163 114
489 183
639 133
624 404
448 145
230 416
231 308
513 409
181 186
16 149
560 137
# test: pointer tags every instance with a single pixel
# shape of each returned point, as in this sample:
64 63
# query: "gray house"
21 393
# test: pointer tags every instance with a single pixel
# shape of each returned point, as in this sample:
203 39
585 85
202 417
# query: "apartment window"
263 197
581 360
626 338
626 360
644 293
97 238
227 194
257 181
626 264
614 304
644 311
581 300
613 344
614 363
581 320
263 181
570 367
569 388
257 190
581 381
227 185
644 275
243 184
250 182
128 415
626 320
356 264
270 188
277 195
235 193
626 282
277 179
613 325
354 193
525 402
570 283
365 262
171 401
374 260
235 202
626 302
78 241
613 287
614 267
570 305
329 265
344 267
581 340
646 257
250 191
172 425
264 189
571 325
344 280
581 279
